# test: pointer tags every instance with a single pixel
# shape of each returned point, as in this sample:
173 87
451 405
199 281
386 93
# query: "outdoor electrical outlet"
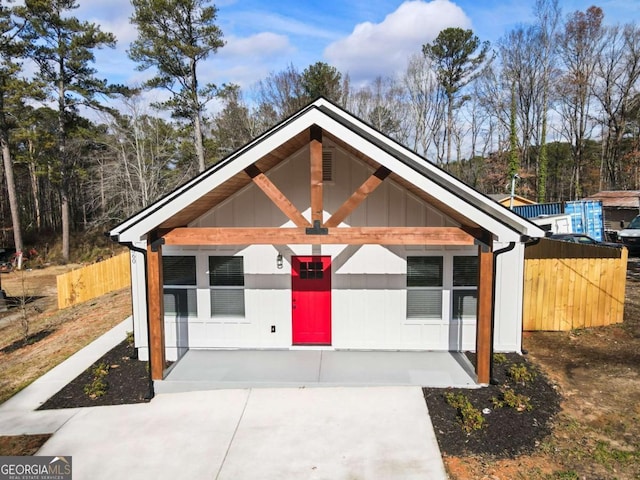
273 329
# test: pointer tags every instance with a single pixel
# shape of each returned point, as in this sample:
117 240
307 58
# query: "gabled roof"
421 177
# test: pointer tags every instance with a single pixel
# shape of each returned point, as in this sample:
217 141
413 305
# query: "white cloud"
384 48
265 44
245 60
286 24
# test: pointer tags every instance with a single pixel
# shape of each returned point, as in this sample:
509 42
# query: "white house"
324 232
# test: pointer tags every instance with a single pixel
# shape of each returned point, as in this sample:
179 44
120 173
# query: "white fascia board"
502 232
147 220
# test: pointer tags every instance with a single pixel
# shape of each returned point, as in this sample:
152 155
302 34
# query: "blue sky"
365 38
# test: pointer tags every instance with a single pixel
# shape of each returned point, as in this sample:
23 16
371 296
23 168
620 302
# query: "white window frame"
463 288
190 287
234 317
439 288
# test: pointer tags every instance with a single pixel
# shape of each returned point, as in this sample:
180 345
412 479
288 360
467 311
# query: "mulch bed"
507 432
127 381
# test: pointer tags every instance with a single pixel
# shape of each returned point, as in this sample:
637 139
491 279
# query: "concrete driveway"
266 433
318 433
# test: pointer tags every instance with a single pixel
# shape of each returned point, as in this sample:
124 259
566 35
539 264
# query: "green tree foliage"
321 79
459 57
64 54
175 37
283 93
233 125
34 144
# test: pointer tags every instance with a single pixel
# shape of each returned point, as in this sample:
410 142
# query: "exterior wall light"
279 261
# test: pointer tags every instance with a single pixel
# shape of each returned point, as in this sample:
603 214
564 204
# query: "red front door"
311 300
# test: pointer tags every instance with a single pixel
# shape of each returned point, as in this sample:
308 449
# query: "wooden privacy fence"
94 280
568 285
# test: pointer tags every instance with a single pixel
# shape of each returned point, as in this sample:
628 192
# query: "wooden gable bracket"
276 196
358 196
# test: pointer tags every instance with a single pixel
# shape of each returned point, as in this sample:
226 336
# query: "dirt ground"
53 334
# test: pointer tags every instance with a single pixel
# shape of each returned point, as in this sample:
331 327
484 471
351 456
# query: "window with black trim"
226 280
424 287
179 289
311 270
465 287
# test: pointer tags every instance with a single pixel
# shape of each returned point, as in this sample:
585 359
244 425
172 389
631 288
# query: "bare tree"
426 105
523 73
459 57
382 105
547 14
578 51
281 94
617 73
139 164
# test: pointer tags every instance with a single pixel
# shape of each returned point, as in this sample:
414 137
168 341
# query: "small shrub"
97 388
101 370
520 373
499 358
470 418
130 339
98 385
514 400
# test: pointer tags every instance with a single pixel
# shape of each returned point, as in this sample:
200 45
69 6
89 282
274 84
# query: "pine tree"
175 36
63 53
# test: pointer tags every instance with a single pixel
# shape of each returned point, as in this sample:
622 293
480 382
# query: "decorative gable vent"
327 165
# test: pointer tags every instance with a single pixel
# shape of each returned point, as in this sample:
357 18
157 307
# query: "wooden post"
484 327
155 304
315 154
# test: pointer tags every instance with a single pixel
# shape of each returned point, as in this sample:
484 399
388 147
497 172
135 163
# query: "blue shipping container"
586 217
539 209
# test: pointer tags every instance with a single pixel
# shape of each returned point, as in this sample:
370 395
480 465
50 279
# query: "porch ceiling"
240 180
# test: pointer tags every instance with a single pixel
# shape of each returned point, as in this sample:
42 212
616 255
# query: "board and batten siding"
368 282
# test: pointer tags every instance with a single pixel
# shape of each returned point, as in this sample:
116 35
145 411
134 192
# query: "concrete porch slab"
225 369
